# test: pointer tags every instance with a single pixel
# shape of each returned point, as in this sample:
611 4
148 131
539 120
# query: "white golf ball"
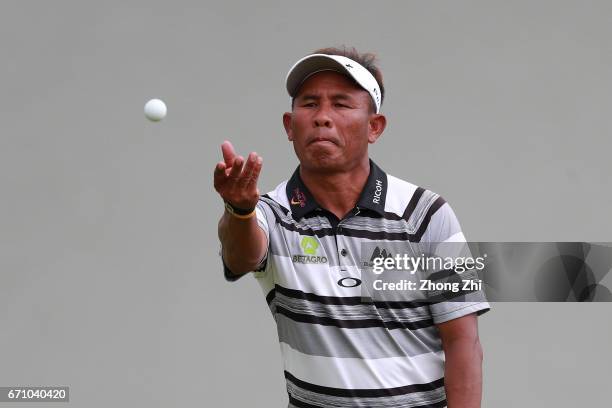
155 110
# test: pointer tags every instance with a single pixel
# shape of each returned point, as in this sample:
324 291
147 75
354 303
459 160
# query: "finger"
256 170
248 167
220 167
236 167
245 178
229 154
219 175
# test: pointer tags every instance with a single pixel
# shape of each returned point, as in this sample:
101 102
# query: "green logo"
309 245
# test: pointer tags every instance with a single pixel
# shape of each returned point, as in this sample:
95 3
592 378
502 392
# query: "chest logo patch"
298 198
310 246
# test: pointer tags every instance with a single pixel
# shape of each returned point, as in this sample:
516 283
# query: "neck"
337 192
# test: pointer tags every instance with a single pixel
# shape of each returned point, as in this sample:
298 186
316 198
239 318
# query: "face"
332 123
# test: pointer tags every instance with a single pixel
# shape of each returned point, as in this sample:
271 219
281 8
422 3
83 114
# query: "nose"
322 118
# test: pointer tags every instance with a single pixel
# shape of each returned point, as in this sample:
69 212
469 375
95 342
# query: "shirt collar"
373 195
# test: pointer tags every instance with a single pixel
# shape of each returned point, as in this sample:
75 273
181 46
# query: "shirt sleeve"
263 224
445 238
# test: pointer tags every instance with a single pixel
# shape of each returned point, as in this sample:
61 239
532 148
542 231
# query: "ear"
376 126
287 117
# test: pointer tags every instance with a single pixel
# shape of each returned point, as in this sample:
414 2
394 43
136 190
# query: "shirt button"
343 252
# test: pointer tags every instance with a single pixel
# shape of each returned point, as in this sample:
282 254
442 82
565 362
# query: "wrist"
240 213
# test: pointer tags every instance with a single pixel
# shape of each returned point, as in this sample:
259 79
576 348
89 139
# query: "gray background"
110 281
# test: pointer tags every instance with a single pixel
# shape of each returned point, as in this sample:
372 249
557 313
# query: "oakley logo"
349 282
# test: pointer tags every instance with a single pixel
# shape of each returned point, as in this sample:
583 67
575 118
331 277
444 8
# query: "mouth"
323 140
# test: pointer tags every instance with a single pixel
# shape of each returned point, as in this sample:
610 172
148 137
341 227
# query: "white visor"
311 64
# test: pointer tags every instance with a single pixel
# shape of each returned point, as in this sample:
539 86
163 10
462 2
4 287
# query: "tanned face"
332 123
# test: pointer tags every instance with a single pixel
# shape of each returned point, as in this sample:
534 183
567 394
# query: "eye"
341 105
308 104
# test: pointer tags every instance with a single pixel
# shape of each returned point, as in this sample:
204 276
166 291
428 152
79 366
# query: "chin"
320 159
322 162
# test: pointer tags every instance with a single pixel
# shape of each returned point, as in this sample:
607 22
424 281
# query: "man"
303 241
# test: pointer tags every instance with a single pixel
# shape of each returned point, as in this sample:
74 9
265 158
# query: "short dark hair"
368 60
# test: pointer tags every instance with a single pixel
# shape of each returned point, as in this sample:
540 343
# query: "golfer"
302 241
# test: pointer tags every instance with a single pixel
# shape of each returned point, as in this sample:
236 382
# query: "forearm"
463 373
243 241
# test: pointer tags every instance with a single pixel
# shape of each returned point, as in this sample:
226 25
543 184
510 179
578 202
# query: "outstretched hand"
235 180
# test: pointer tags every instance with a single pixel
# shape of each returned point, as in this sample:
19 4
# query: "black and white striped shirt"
339 350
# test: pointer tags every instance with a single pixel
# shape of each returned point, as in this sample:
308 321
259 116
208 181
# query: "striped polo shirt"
338 349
